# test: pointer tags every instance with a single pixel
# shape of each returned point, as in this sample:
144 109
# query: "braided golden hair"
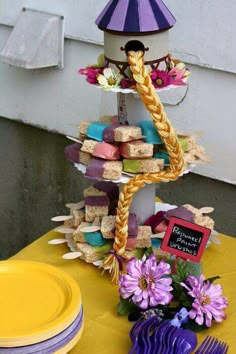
153 104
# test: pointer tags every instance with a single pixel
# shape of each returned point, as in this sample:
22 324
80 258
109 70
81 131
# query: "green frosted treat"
143 165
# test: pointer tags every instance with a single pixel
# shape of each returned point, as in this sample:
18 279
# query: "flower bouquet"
163 297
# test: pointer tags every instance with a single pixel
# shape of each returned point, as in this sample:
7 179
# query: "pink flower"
208 301
178 77
125 83
146 282
160 78
91 73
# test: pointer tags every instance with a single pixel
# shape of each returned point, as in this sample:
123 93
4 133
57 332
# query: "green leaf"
125 306
212 279
181 269
194 268
191 324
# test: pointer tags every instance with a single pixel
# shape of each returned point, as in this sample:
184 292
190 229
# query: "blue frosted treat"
94 238
95 130
162 155
150 132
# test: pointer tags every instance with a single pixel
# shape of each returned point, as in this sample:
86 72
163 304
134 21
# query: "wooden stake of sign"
185 239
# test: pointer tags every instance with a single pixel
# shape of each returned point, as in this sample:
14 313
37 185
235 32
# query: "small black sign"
185 239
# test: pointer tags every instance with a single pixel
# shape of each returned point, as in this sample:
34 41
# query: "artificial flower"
208 301
146 282
160 78
91 73
180 317
110 78
125 83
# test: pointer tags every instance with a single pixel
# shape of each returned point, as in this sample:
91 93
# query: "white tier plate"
124 178
128 90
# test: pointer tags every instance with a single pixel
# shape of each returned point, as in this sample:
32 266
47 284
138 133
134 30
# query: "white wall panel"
204 34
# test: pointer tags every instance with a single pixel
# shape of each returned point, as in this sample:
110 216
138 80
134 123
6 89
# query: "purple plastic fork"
211 345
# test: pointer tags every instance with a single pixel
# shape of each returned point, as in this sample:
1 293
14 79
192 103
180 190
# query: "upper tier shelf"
118 89
125 176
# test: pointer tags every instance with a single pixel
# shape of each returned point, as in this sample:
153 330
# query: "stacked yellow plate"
41 309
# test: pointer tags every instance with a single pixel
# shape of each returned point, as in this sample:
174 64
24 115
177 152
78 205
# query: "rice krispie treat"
98 168
101 149
108 226
127 133
96 206
78 216
74 153
78 236
143 239
143 166
83 127
136 149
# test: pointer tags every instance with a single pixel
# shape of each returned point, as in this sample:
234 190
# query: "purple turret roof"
135 16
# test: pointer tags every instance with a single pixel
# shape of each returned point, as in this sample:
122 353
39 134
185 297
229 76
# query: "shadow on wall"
200 192
35 183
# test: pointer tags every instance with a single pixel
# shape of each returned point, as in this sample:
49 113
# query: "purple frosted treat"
132 225
108 133
72 152
181 213
111 189
97 201
96 206
95 168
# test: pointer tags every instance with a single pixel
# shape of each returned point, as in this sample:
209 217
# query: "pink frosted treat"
73 153
101 149
97 206
136 149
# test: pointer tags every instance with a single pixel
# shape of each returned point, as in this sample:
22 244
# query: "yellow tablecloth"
105 332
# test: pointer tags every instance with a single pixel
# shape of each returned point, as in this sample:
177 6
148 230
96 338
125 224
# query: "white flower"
110 78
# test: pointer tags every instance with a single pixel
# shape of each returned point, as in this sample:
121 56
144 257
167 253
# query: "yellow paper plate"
37 301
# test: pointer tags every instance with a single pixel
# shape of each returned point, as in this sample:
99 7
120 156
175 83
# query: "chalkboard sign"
185 239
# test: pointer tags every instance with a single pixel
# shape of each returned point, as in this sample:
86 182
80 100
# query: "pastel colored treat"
108 226
108 119
109 133
83 127
96 206
143 165
92 191
111 189
131 243
106 151
101 149
94 238
157 222
162 155
89 146
180 212
136 149
156 242
143 239
150 132
78 216
78 235
91 254
98 168
199 217
95 130
162 227
73 153
184 143
127 133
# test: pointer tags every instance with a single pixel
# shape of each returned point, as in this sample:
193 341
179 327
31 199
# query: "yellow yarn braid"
153 104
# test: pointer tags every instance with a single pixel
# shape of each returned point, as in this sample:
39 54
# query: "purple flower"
208 301
180 317
91 73
160 78
146 282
